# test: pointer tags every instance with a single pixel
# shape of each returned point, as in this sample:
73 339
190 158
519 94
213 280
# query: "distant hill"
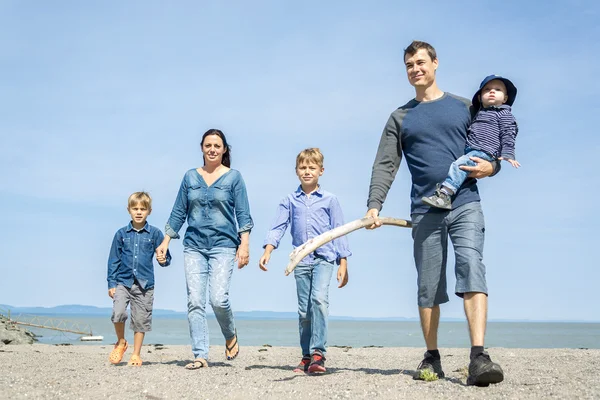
75 309
78 309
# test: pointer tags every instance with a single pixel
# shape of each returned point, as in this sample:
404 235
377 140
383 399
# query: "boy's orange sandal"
116 355
135 361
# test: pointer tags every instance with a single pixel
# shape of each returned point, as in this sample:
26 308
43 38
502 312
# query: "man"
431 131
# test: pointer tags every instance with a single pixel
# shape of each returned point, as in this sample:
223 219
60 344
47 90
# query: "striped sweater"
494 130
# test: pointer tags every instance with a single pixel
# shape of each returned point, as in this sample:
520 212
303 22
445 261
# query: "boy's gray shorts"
466 228
141 307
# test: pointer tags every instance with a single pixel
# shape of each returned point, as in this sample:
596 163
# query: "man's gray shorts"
466 228
141 307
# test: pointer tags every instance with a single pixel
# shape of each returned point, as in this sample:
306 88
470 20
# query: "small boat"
92 338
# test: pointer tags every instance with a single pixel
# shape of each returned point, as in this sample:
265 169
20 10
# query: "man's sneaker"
429 365
483 371
304 363
317 363
440 199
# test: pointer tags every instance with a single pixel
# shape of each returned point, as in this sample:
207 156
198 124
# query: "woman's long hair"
227 155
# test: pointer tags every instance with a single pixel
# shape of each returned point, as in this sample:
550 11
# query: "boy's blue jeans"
212 269
457 176
312 286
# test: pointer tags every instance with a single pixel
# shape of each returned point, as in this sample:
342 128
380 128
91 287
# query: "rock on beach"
13 334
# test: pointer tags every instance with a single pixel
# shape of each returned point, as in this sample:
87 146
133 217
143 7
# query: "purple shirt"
309 217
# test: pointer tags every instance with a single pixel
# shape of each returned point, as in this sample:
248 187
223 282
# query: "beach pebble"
83 371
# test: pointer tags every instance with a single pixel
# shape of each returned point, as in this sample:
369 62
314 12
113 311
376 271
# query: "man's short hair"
311 155
142 198
416 45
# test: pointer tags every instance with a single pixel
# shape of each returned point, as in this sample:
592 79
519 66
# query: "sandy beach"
83 372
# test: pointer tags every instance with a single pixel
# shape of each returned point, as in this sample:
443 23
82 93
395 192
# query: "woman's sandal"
197 364
231 347
116 355
135 361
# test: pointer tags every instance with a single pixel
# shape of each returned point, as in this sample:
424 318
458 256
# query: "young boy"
311 211
491 136
131 276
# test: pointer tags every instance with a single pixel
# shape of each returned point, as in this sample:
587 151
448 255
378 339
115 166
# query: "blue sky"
101 99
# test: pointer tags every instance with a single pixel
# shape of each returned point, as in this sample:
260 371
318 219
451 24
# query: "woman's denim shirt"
211 211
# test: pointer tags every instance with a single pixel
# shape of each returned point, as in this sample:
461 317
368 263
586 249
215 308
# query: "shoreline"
73 372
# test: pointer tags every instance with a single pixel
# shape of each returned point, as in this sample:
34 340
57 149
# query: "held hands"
483 168
514 163
111 293
373 212
161 250
161 257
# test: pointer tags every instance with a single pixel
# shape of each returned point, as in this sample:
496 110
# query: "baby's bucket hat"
510 88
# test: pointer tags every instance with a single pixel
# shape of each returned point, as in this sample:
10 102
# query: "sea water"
354 333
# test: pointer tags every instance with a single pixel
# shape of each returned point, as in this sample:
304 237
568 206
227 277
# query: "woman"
212 198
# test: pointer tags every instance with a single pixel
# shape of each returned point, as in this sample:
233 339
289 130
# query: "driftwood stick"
305 249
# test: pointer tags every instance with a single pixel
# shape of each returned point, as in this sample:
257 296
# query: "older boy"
131 276
311 211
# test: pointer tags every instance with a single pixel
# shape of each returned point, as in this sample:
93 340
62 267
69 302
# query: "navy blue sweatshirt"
431 135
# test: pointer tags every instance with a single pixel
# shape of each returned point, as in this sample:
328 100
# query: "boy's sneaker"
430 364
304 363
440 199
317 363
483 371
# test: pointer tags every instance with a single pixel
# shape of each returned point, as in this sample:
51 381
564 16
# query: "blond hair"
142 198
310 155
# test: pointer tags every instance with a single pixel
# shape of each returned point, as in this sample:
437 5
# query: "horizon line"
344 317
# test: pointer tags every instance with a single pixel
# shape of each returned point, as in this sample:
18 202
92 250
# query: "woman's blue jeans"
210 269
